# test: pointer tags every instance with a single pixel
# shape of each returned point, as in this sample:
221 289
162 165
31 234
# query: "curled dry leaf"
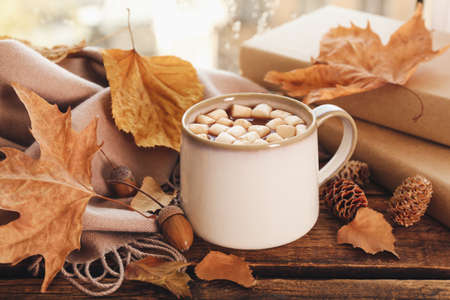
143 203
55 53
218 265
50 193
369 231
166 274
354 60
150 94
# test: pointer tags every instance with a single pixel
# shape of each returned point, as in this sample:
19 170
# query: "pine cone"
410 200
343 197
356 171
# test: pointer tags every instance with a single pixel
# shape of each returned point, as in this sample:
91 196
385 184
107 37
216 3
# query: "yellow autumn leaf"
150 94
167 274
143 203
55 54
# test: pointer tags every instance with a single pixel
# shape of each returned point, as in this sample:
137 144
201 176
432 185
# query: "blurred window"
208 33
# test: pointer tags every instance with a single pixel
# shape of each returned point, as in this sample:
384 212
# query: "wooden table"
313 267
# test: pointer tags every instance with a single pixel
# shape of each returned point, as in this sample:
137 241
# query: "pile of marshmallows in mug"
239 130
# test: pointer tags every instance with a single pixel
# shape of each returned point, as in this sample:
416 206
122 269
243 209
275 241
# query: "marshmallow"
261 111
216 129
278 113
225 121
203 136
198 128
273 138
217 114
240 111
272 124
243 122
225 138
236 131
260 142
249 136
293 120
286 131
300 129
261 130
202 119
241 142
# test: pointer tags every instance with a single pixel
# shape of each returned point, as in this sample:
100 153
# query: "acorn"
175 227
122 173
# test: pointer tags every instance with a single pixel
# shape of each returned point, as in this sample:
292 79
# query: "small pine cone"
356 171
410 200
343 197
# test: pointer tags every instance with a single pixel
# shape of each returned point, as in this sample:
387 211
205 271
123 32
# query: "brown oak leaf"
218 265
150 94
369 231
354 60
56 53
166 274
143 203
50 193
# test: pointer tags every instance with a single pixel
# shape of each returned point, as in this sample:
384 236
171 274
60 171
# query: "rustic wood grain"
265 289
312 267
423 249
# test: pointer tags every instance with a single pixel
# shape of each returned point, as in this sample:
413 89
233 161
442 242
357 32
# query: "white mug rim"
221 98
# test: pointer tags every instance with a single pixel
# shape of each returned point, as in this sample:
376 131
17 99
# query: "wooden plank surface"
265 289
313 267
424 251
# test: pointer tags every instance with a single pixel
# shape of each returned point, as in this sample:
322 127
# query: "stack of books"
393 144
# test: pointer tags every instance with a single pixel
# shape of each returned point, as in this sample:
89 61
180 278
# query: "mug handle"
348 142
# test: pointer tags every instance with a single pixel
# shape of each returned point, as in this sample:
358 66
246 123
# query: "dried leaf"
369 231
162 273
150 94
50 193
218 265
55 53
353 60
143 203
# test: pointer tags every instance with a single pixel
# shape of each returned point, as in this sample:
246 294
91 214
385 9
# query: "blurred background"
207 33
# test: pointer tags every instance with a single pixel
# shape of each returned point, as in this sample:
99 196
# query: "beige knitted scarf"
112 237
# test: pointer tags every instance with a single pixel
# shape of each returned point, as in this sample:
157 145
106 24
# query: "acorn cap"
168 211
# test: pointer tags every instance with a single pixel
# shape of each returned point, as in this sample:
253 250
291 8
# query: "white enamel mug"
257 196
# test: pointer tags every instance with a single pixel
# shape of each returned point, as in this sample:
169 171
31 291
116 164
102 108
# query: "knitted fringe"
113 265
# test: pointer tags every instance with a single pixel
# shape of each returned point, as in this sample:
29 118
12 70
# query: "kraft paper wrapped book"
392 156
292 45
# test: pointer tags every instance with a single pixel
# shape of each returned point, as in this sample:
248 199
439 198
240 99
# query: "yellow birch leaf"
150 94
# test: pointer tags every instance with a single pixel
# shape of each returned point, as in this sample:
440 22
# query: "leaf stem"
129 29
107 158
123 204
137 189
420 114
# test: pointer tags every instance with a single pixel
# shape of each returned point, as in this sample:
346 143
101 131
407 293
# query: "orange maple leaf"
50 193
218 265
354 60
369 231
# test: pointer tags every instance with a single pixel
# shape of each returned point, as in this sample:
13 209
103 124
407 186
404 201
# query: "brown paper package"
393 156
292 45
